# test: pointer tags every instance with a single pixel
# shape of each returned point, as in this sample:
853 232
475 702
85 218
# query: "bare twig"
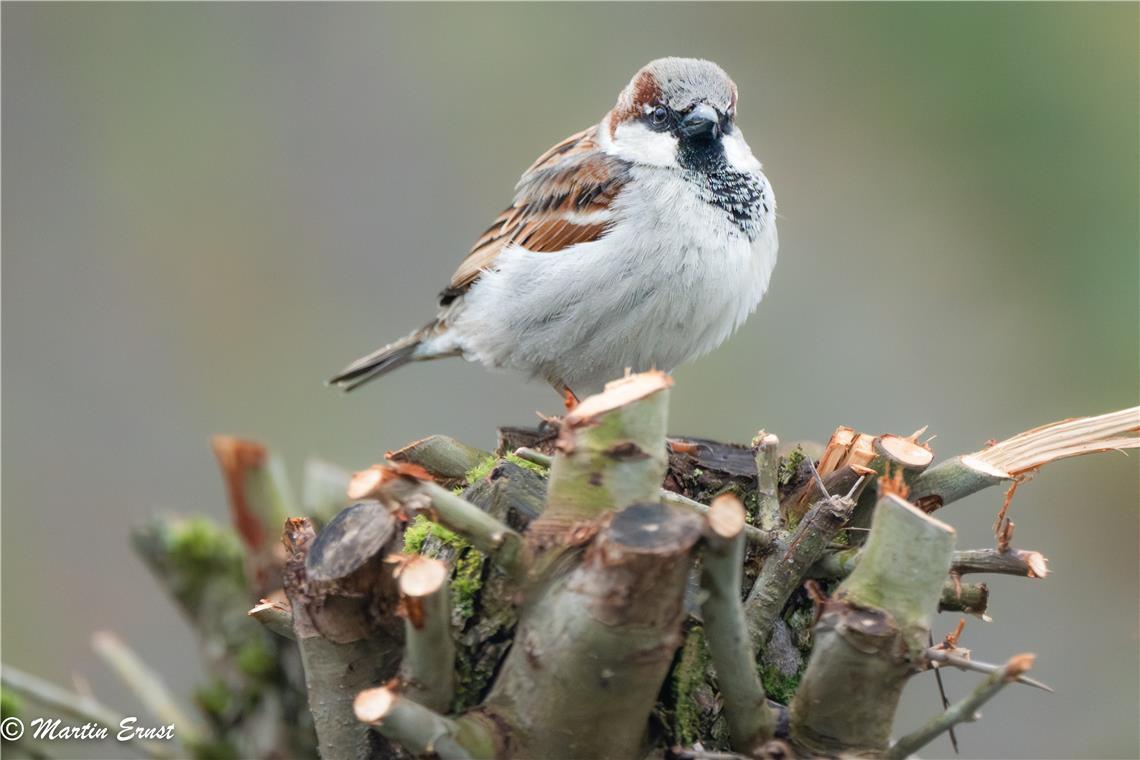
1022 562
818 479
839 563
971 598
534 457
146 684
943 658
942 692
754 536
849 479
785 569
963 711
750 721
79 706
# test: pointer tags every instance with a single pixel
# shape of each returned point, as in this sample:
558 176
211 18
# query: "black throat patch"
741 195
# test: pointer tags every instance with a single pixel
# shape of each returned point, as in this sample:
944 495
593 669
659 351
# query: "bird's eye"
660 115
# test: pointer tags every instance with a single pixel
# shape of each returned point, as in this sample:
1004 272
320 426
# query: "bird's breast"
671 279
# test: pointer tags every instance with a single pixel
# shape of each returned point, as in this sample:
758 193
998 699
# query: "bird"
638 243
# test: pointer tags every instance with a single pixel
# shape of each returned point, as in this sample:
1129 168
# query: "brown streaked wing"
573 177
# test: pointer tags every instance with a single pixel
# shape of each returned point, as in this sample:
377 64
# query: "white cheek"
738 153
636 142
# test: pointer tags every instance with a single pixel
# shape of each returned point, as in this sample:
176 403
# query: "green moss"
199 540
484 468
196 555
751 503
214 698
689 676
214 750
256 659
473 678
481 470
421 528
11 705
789 465
467 575
532 466
466 581
777 685
201 546
800 622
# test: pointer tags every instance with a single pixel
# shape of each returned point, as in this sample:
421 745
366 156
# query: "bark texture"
592 588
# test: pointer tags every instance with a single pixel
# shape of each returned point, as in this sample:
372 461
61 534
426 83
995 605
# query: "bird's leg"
568 397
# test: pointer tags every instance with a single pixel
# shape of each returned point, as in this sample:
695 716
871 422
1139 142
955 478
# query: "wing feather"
563 199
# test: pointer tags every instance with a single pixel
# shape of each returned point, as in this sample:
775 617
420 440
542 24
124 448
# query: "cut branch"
276 617
887 454
611 454
963 711
751 722
971 598
755 536
428 667
760 537
408 492
422 731
259 500
447 459
533 456
872 634
1023 453
1023 562
594 648
786 567
767 449
343 599
322 489
1060 440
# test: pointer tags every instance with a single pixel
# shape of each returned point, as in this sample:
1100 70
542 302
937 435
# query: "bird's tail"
384 360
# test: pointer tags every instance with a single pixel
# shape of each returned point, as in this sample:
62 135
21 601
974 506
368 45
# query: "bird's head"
677 112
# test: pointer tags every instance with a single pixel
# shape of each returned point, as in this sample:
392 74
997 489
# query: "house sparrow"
638 243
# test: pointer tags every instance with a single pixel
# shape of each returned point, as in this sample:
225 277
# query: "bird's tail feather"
382 360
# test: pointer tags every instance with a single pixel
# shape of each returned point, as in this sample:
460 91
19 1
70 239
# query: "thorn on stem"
818 479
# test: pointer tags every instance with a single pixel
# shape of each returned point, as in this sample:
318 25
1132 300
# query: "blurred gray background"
209 208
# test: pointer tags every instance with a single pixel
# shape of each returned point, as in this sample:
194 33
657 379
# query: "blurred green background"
209 208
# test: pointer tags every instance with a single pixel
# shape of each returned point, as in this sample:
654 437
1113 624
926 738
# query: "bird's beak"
702 122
